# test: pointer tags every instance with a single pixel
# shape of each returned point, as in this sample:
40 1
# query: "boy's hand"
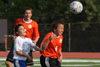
29 58
34 42
60 59
37 48
53 36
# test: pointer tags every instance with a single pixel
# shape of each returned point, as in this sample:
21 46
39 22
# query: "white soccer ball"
76 7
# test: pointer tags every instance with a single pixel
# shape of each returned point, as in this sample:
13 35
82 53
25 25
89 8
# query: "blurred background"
82 31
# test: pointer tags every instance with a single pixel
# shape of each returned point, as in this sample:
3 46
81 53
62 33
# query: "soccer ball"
76 7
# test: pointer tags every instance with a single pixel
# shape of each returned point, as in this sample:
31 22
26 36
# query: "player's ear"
16 33
54 30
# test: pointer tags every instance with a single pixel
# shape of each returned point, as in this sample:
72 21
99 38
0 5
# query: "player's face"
21 31
28 14
60 29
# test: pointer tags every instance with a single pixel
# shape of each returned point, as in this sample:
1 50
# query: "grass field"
65 63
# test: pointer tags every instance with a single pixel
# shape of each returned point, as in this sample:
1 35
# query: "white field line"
73 65
80 65
66 65
80 60
67 60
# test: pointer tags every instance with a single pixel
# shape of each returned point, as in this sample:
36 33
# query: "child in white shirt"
22 46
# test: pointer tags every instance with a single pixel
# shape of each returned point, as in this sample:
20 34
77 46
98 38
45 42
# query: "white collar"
56 36
27 21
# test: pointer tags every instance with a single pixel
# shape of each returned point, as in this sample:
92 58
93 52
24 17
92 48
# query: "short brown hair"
16 28
55 24
28 8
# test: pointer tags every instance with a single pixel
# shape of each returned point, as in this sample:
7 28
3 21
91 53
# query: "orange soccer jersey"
31 28
53 47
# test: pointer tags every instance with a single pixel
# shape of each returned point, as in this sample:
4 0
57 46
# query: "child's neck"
27 19
22 37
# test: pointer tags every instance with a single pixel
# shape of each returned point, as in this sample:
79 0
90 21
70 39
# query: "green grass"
66 62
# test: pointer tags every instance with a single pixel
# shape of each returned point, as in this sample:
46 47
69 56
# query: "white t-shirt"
25 45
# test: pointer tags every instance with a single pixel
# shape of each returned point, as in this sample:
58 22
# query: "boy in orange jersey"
32 32
51 46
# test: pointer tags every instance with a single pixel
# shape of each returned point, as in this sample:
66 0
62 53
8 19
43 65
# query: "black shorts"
10 54
29 63
49 62
10 58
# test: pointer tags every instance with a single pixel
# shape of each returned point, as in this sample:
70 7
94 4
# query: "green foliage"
45 11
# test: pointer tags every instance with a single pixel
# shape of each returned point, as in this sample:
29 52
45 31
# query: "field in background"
70 59
65 54
65 63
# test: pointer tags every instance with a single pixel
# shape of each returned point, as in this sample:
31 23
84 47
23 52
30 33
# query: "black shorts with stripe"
10 54
49 62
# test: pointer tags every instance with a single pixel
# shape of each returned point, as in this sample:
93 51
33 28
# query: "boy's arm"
60 56
46 42
24 55
36 48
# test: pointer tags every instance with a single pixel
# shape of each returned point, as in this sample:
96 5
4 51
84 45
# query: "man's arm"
35 34
35 40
